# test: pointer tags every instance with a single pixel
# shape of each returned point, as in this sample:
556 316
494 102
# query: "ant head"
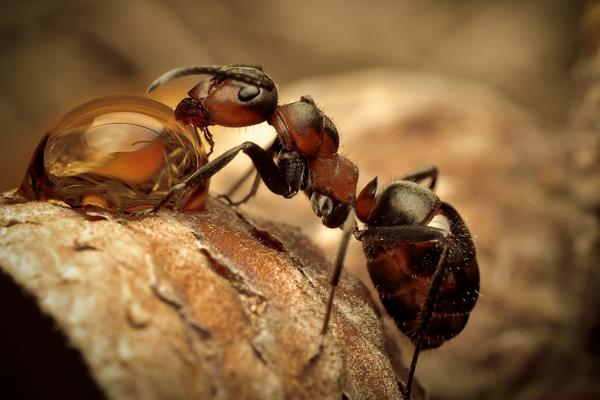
234 96
401 203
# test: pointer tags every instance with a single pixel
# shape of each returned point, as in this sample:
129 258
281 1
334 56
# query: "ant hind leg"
249 195
430 172
414 234
272 149
425 316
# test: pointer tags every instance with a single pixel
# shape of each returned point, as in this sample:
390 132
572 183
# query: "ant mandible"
420 254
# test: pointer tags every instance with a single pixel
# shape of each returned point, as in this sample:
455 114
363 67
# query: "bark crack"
13 222
270 240
255 304
168 294
82 246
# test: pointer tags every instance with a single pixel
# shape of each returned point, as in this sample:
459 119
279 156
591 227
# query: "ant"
420 254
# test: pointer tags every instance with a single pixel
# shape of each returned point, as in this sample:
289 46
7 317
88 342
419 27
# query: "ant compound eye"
247 93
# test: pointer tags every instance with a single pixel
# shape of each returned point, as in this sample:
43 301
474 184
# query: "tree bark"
188 305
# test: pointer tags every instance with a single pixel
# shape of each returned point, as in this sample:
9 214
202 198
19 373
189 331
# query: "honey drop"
120 153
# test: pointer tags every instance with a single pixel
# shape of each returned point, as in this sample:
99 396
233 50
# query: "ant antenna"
183 71
264 82
216 70
255 66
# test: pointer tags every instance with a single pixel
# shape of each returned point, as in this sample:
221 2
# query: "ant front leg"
293 170
272 149
264 164
249 195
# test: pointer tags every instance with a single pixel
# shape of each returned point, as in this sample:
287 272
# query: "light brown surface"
205 305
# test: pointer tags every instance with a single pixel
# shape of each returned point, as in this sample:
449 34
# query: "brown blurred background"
487 90
56 55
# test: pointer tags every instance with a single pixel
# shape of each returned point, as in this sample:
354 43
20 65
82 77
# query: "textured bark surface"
197 305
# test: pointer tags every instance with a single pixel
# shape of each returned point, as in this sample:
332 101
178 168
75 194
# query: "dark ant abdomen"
402 274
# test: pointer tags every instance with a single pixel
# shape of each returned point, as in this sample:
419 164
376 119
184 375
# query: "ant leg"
264 164
414 234
272 149
430 172
349 227
332 212
238 184
425 316
292 167
251 193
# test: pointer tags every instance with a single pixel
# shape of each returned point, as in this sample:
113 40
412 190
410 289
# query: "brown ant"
420 254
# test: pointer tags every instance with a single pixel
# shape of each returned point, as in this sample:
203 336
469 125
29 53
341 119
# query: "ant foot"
228 200
316 355
144 213
162 202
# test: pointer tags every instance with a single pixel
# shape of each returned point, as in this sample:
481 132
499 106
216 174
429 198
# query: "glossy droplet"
122 153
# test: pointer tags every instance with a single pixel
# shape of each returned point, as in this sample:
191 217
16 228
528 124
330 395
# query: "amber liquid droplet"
122 153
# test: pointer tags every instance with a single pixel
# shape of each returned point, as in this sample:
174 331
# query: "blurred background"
56 55
500 94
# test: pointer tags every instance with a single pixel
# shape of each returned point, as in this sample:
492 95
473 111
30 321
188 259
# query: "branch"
194 305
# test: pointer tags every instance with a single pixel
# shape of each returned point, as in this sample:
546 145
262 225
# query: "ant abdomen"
402 271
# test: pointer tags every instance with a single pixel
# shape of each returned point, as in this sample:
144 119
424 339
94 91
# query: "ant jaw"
191 112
